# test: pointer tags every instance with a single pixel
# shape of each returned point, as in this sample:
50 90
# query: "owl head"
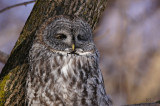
67 35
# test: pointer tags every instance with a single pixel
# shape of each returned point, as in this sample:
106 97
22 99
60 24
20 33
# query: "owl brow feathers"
50 20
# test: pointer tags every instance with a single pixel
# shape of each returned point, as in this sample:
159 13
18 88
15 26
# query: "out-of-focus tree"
128 41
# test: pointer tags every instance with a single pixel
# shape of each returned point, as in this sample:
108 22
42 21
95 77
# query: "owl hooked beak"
73 47
73 50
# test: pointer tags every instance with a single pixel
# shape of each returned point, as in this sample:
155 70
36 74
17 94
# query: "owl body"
65 73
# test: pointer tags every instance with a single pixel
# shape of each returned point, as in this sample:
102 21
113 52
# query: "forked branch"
16 5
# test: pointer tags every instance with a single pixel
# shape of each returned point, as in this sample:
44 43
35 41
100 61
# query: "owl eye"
82 38
61 36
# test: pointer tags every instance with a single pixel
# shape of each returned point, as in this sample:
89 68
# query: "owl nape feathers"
64 68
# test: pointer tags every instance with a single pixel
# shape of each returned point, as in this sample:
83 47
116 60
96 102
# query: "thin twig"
3 57
16 5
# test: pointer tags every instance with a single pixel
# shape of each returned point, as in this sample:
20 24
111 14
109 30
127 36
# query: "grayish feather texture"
60 75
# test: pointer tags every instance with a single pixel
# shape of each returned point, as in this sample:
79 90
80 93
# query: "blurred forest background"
128 38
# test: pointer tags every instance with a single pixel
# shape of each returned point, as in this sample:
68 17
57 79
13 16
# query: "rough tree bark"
12 77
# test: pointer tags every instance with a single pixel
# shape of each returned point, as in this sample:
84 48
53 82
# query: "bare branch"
16 5
145 104
3 57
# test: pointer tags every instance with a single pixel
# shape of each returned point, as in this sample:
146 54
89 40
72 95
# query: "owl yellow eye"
61 36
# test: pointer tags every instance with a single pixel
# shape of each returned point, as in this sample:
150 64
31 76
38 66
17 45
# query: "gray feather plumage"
58 77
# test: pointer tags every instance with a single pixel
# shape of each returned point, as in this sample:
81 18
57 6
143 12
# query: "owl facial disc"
68 36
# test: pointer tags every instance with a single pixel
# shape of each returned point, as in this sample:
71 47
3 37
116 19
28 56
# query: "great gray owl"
64 68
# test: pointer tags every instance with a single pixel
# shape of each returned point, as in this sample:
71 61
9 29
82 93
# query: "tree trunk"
12 77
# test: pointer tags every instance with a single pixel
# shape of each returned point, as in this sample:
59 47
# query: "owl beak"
73 47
